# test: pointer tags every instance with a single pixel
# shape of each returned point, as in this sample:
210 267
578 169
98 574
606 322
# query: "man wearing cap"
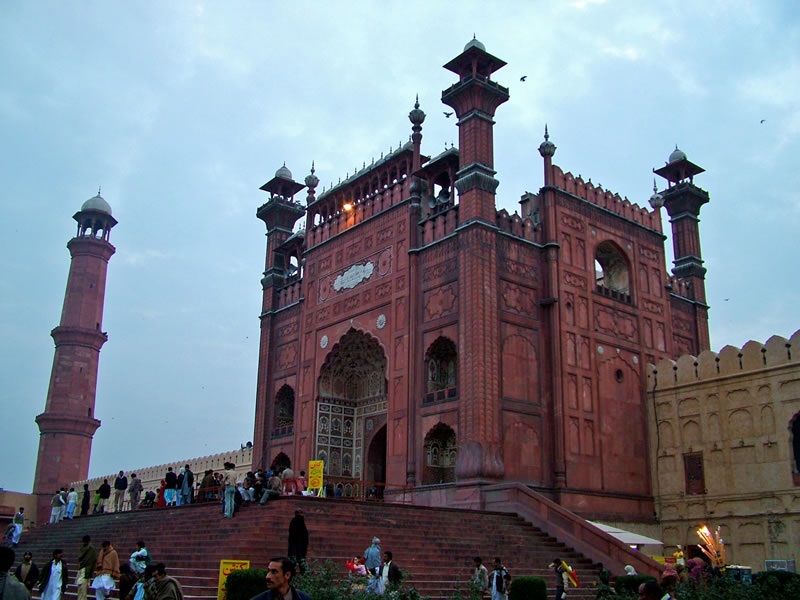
372 556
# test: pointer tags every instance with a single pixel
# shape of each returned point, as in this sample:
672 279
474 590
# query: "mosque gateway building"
431 348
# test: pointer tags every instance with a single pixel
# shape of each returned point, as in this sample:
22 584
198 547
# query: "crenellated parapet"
151 476
525 228
595 194
357 211
730 361
371 181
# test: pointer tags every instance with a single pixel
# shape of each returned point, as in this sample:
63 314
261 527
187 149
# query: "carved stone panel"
287 356
516 298
440 302
616 323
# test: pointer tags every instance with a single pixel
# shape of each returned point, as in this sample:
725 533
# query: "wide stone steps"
434 546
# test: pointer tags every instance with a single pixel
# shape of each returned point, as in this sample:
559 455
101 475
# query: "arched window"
441 366
283 423
612 273
440 455
280 462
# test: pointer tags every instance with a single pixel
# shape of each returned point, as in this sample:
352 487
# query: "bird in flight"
523 78
447 114
762 121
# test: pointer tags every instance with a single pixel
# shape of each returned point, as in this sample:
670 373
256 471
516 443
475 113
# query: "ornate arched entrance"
351 408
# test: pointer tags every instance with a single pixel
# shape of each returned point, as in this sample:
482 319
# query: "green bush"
527 588
329 581
246 583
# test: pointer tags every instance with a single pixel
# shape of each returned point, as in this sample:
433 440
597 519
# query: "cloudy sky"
181 110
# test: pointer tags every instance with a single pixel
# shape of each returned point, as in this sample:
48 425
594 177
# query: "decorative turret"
417 117
475 98
312 181
67 424
279 213
683 200
547 149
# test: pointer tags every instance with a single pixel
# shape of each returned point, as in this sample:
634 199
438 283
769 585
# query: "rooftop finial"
416 104
547 148
98 187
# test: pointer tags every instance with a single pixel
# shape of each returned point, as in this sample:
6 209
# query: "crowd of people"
375 571
100 570
176 489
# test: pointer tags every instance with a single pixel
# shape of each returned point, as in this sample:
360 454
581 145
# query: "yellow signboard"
315 470
226 567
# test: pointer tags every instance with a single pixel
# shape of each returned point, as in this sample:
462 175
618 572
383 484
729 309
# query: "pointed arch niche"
283 423
441 368
352 390
612 272
440 455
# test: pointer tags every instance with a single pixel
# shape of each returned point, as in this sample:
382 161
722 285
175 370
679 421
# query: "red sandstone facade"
417 339
67 424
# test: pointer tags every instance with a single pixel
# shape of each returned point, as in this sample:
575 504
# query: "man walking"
499 580
480 576
389 572
87 559
298 540
56 503
171 481
280 573
120 485
19 523
104 491
27 571
106 571
562 578
186 488
72 503
372 556
53 582
135 491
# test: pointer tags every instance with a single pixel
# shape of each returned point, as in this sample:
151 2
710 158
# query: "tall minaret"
474 98
67 424
683 199
279 213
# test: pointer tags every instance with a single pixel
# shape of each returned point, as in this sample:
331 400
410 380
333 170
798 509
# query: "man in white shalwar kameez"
54 578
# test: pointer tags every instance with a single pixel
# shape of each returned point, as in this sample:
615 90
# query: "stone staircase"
433 546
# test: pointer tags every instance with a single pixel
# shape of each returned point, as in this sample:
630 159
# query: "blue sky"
181 110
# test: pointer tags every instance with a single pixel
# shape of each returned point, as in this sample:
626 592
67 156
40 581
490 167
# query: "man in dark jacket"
171 480
27 571
11 588
120 485
389 572
280 573
87 559
186 486
105 493
298 540
53 579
